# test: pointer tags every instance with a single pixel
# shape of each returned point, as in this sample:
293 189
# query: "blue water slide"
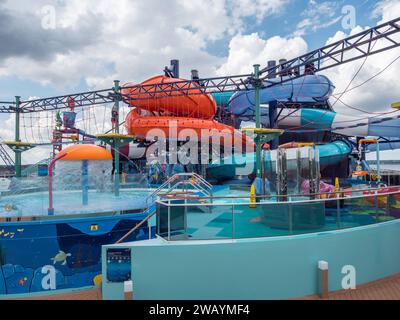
222 98
307 89
227 168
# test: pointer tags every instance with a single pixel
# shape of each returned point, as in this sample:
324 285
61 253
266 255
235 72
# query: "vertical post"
338 216
18 161
233 222
272 115
263 173
298 171
85 182
323 279
169 222
257 86
117 91
175 68
116 170
378 161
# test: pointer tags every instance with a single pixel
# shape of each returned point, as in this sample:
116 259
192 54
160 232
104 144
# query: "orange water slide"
176 116
198 105
180 128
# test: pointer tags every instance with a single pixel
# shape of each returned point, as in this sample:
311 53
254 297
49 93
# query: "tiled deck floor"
384 289
94 294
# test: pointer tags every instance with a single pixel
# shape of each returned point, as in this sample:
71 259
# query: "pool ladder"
181 181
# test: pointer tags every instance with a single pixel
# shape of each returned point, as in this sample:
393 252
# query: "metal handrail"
337 193
169 192
175 178
136 227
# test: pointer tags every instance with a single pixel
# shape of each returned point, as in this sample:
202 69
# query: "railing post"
376 206
338 220
290 217
323 279
185 218
233 221
169 220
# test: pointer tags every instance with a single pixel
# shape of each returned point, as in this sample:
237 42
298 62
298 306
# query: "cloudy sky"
52 47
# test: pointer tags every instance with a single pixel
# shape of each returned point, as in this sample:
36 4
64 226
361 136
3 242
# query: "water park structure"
182 182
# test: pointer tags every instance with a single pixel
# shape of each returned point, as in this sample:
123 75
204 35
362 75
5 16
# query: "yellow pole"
252 197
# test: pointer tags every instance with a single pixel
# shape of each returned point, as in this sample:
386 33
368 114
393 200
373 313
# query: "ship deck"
384 289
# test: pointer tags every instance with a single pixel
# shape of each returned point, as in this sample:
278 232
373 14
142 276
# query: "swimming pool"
70 203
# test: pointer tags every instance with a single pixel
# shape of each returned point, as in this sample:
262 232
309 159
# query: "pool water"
70 202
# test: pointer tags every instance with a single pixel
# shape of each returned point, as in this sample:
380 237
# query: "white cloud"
377 94
317 16
246 50
255 8
137 38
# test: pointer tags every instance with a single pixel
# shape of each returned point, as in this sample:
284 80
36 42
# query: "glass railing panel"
260 220
209 221
362 210
269 218
279 219
71 195
181 220
392 207
334 209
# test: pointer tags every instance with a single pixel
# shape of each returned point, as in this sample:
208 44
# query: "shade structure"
84 152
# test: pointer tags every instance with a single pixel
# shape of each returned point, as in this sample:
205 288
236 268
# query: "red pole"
50 210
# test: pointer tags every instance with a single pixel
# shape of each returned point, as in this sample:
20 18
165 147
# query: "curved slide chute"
307 89
304 90
307 118
176 116
227 168
196 105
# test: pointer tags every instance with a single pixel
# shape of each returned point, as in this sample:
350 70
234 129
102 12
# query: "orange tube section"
180 128
176 116
198 105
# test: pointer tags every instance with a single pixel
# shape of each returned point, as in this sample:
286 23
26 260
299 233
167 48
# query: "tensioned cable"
371 78
347 90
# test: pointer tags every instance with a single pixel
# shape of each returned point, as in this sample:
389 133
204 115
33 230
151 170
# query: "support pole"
323 279
273 114
378 162
85 182
117 90
18 160
257 86
116 170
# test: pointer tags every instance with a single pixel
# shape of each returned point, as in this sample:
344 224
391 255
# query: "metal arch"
7 107
334 54
81 100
